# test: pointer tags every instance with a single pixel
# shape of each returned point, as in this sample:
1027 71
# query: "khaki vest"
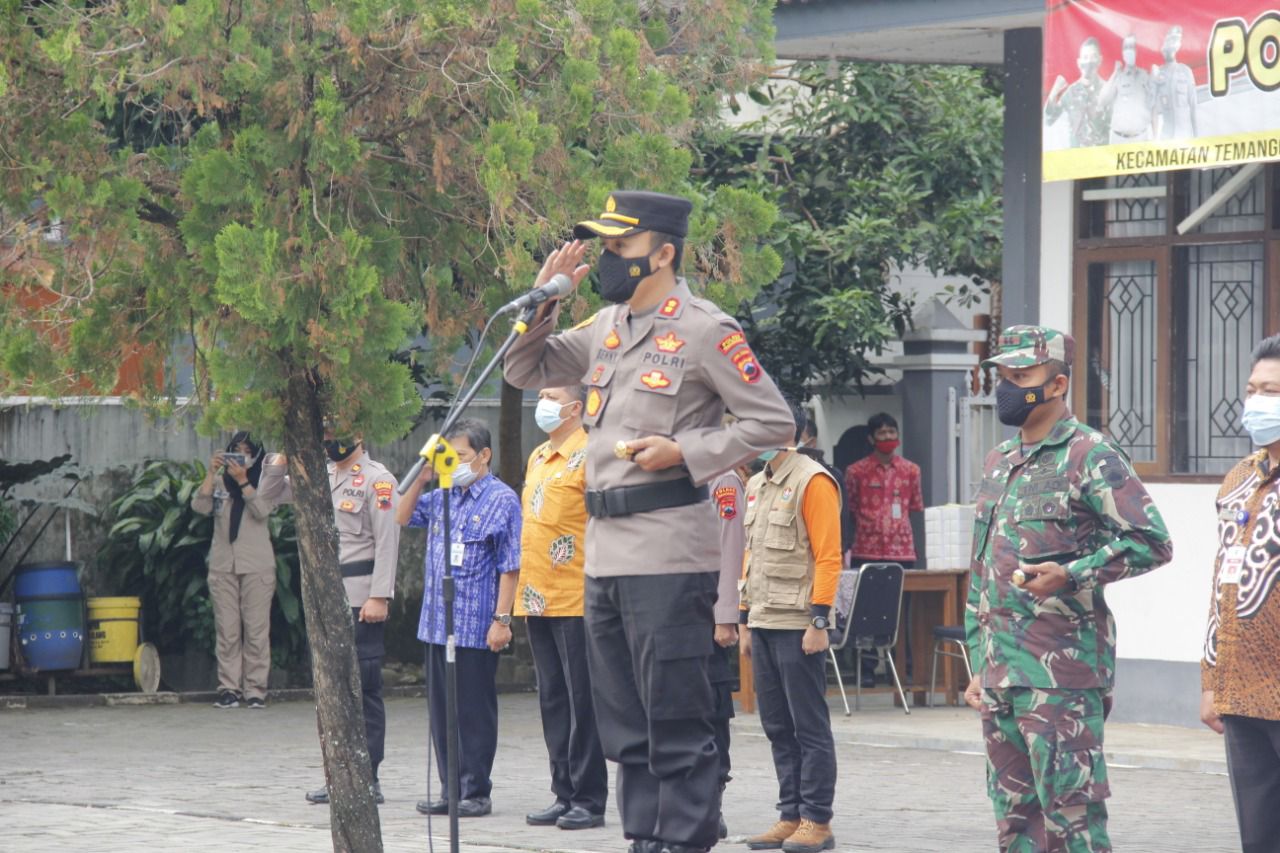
779 572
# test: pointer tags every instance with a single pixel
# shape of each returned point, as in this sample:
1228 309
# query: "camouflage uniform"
1047 667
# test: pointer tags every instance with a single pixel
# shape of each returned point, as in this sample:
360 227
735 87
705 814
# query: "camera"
238 458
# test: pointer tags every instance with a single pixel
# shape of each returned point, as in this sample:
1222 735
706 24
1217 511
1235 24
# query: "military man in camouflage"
1060 514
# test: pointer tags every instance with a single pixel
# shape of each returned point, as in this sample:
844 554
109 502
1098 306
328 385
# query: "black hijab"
253 472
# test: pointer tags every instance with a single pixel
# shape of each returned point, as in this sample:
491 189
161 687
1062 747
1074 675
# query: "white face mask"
465 474
1261 419
547 415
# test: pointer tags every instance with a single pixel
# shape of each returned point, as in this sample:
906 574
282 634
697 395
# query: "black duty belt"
629 500
358 569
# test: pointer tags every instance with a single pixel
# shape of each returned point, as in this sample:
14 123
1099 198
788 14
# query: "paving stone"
192 778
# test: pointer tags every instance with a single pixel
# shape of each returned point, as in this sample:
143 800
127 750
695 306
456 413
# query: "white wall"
1161 615
1055 253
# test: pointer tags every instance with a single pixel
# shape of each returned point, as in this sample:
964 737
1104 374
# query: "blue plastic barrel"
50 609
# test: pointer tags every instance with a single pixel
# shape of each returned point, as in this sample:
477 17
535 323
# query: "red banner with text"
1135 86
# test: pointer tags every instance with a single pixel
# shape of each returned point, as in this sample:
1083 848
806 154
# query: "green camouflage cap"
1027 346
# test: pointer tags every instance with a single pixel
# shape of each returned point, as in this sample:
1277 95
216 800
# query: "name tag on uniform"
896 512
456 552
1232 564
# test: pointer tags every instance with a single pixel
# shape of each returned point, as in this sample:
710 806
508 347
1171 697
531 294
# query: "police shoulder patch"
727 501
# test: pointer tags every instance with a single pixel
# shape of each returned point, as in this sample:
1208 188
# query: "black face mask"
1014 403
619 277
340 448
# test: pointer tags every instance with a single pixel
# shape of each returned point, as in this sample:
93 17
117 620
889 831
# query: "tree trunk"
353 813
511 463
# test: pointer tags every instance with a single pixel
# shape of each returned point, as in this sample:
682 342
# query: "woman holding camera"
242 565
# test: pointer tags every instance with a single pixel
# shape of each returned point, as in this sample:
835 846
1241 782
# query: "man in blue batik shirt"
485 519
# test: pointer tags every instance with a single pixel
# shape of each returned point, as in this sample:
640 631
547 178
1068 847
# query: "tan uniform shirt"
364 501
726 497
671 372
251 553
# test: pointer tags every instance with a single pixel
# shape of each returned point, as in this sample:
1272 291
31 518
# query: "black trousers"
578 772
723 682
649 641
1253 762
369 653
791 694
476 670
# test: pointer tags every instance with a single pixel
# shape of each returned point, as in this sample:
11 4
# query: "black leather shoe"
548 816
723 831
645 845
478 807
682 848
579 818
432 807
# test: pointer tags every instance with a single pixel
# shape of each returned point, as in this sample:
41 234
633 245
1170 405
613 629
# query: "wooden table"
937 598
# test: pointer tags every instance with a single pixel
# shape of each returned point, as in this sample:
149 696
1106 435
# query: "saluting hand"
655 452
1045 579
567 260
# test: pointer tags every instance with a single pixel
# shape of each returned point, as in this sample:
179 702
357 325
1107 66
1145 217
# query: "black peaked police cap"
629 212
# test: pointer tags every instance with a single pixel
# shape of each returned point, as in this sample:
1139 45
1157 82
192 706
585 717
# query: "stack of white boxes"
948 536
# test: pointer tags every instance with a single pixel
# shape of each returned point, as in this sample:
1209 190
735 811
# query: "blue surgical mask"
465 474
547 415
1261 418
767 456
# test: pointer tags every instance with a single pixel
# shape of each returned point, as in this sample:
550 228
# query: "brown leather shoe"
772 838
810 838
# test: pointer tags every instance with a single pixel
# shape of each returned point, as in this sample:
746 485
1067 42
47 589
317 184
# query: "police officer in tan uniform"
364 499
660 366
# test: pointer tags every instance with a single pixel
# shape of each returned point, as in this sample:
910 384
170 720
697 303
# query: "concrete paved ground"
188 777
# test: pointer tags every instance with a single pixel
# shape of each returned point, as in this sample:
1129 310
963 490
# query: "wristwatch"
820 622
503 619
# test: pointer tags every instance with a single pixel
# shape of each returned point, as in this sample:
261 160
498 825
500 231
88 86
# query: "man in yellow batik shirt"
550 596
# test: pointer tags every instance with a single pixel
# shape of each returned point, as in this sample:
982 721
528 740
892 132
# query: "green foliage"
303 188
871 166
157 548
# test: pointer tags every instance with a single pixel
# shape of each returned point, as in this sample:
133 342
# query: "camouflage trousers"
1046 775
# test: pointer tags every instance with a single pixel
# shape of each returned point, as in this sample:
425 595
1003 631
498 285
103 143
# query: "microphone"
560 285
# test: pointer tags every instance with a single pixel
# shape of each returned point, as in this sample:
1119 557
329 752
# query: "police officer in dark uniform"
660 366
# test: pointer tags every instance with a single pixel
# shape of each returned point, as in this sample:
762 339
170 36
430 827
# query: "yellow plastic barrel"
113 629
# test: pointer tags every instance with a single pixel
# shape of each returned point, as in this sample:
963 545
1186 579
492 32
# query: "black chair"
868 607
942 636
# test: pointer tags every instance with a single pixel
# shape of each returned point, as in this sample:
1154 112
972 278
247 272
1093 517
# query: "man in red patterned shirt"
882 489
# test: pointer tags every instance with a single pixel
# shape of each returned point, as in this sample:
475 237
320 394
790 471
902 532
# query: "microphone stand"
444 461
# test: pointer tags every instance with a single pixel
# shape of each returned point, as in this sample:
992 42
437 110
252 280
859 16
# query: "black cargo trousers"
649 642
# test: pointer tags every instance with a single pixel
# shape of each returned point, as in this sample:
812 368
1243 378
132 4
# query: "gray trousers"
1253 762
242 623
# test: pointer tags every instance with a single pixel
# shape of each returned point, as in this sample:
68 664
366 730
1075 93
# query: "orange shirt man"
550 596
